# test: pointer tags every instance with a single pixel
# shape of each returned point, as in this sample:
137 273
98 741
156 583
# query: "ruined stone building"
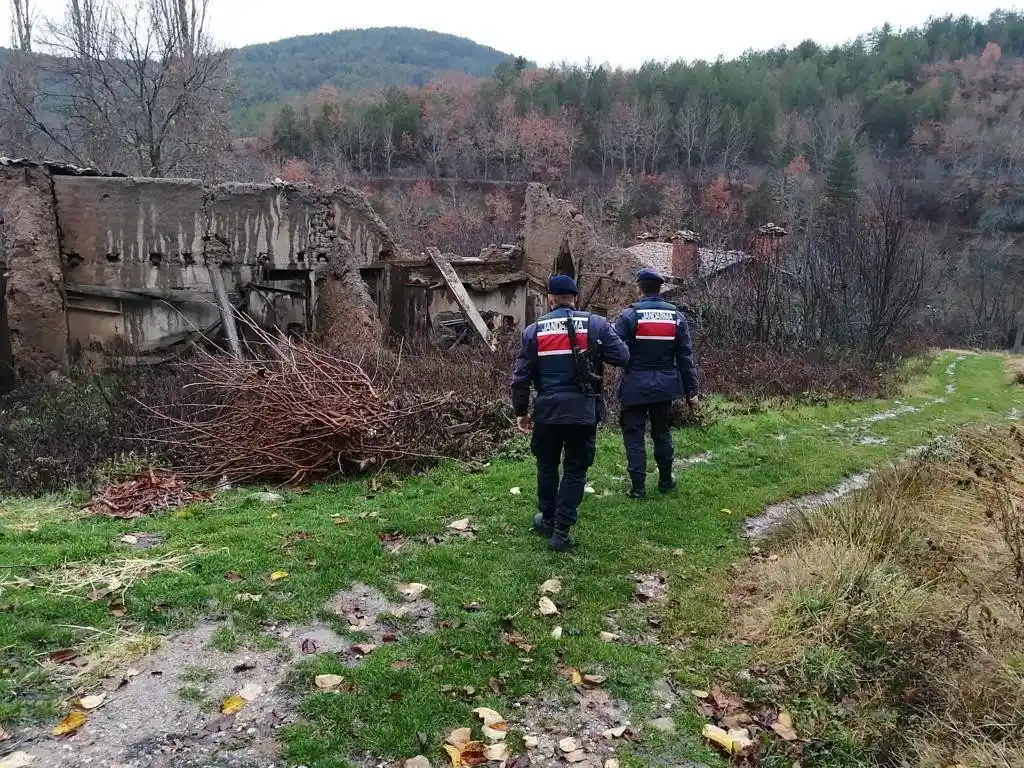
97 265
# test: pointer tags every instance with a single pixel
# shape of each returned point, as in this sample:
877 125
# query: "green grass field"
757 456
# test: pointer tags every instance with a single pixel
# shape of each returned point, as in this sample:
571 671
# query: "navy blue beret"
562 285
649 274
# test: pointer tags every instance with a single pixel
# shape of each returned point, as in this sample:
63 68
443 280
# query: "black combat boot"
544 527
666 483
561 541
639 490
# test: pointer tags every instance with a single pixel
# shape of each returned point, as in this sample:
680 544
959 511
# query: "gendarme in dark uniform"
567 410
660 371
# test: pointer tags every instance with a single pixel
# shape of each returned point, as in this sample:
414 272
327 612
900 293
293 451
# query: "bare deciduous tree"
141 89
22 23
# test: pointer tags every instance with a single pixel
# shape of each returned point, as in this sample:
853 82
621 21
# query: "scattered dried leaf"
246 597
616 733
461 525
515 491
401 664
364 649
608 637
473 753
520 642
784 727
496 752
4 734
460 737
250 692
278 575
17 760
551 587
91 702
328 682
233 576
489 716
546 607
417 762
495 685
412 590
556 633
64 656
594 679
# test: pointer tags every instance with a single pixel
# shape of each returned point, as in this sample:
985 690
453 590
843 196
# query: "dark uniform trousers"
559 498
633 420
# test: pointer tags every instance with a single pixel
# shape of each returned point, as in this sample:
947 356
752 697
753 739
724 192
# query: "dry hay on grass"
909 598
96 580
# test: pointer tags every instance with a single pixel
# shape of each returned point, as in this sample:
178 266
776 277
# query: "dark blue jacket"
661 364
545 362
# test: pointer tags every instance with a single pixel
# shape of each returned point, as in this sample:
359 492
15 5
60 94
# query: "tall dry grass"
905 608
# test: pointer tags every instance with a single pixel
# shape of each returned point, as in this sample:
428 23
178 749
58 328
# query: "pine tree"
841 177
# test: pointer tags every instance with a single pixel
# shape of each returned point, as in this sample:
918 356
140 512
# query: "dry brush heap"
301 413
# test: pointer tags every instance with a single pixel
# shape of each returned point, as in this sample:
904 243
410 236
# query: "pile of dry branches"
300 413
149 492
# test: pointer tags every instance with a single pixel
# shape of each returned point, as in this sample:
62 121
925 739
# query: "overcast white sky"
548 31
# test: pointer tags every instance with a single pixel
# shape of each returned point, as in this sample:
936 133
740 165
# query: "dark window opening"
564 264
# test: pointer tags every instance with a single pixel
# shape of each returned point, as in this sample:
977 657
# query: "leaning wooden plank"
227 312
144 294
462 298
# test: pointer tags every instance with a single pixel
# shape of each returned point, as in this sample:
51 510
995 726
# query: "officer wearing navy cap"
660 371
564 365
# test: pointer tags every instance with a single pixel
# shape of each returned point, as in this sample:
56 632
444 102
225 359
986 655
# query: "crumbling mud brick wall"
97 264
138 254
36 324
557 238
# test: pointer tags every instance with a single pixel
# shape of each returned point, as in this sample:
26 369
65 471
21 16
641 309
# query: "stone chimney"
685 255
767 243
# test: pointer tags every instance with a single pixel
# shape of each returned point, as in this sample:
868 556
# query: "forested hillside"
350 60
921 127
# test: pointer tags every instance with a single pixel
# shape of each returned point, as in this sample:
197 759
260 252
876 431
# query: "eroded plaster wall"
137 254
36 322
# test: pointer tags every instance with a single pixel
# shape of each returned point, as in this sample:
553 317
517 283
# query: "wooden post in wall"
227 312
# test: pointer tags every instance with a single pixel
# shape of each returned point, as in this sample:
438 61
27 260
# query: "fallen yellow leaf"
575 676
232 705
546 607
455 754
71 723
718 736
278 575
